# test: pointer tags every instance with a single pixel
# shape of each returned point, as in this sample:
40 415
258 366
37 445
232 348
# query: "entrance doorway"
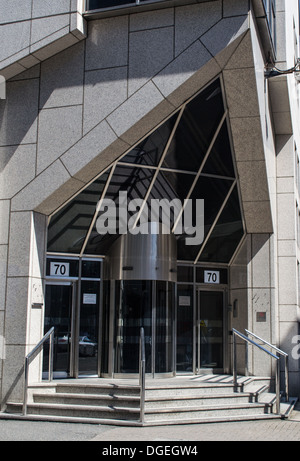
184 322
60 314
72 307
200 330
134 304
209 330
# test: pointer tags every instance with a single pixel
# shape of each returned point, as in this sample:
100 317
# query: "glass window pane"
58 308
211 329
185 273
133 311
89 326
68 227
91 269
149 151
96 4
164 330
195 130
169 186
135 181
185 328
227 233
213 191
220 161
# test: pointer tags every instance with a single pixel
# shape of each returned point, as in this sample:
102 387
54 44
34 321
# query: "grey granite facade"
81 93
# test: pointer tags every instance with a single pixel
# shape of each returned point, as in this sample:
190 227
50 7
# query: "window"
297 168
187 157
297 225
101 4
270 11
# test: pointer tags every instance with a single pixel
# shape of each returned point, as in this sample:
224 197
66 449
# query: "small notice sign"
261 316
184 300
89 298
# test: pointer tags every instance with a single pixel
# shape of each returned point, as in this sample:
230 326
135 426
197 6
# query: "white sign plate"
184 300
89 298
59 269
212 277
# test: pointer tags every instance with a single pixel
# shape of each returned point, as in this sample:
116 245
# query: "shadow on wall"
251 285
18 117
98 97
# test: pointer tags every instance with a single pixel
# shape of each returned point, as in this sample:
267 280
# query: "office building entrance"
97 322
107 277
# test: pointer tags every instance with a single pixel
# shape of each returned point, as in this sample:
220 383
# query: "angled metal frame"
98 208
160 168
215 221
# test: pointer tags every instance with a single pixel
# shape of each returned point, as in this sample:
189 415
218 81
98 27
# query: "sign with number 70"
212 277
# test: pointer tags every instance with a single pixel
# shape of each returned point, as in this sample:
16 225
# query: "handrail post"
286 366
51 352
26 366
277 375
277 382
246 359
142 374
286 361
234 363
31 356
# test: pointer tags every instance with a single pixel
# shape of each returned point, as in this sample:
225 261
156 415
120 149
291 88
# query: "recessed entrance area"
97 321
104 283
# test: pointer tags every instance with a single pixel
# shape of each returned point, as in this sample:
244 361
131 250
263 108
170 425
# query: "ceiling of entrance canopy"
187 157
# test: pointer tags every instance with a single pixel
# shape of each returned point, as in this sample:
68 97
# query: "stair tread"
118 403
82 396
76 407
147 410
119 422
208 407
201 396
87 396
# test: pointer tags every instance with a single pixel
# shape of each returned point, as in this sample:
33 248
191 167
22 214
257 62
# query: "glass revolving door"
141 275
148 304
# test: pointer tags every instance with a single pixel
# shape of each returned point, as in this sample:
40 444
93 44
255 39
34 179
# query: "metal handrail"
32 354
248 340
283 354
142 375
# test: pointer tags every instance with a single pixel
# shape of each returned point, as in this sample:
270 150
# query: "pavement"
259 430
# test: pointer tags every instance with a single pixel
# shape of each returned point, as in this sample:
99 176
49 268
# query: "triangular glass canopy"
189 156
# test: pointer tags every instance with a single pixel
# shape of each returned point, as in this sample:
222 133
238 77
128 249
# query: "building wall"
287 140
265 274
69 116
33 30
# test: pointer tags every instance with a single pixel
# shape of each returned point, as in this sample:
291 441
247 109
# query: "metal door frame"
73 283
197 331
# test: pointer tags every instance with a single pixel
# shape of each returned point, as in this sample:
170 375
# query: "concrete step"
77 411
206 399
187 390
173 402
99 389
211 410
154 401
151 414
130 401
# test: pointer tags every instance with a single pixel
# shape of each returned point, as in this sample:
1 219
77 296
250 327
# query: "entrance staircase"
179 400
